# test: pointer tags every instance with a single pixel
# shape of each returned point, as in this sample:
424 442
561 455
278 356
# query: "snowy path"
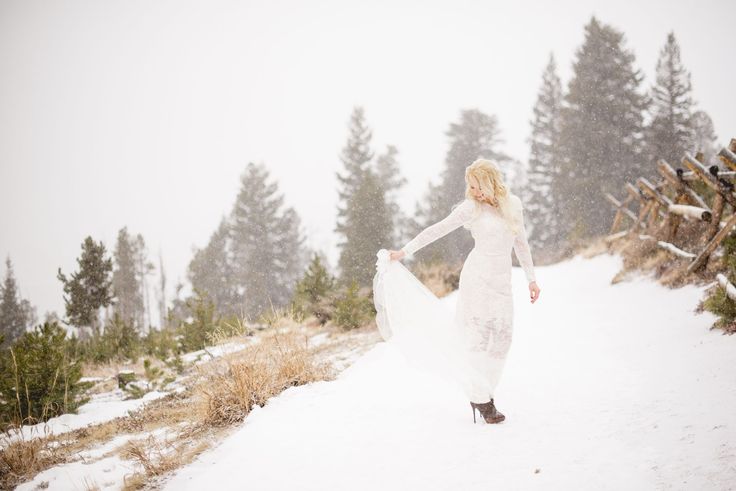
599 393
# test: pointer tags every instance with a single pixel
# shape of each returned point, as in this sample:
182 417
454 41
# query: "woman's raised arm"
458 216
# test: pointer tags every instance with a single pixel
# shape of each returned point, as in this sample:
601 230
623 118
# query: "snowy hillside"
606 387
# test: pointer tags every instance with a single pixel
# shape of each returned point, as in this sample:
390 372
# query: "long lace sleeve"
458 216
521 247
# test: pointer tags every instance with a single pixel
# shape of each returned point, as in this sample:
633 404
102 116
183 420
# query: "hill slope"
607 386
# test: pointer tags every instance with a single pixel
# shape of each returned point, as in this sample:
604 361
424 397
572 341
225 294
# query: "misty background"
145 115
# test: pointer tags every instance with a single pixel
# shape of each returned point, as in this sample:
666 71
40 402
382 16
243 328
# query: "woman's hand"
533 291
394 255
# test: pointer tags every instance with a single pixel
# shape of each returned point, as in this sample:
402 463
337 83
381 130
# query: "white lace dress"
484 313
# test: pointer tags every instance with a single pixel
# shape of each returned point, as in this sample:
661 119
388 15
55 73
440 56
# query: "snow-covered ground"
99 468
606 387
102 407
102 467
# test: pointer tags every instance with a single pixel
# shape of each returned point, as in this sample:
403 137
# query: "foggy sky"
145 113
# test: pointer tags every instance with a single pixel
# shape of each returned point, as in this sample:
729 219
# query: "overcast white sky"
144 113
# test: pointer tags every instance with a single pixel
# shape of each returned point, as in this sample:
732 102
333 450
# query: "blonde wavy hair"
490 181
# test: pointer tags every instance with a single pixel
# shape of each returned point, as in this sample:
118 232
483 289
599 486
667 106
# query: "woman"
484 312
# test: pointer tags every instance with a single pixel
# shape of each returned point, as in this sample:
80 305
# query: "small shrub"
160 343
313 291
717 302
38 378
195 331
119 341
352 309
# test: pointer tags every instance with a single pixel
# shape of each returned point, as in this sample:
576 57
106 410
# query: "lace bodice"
489 230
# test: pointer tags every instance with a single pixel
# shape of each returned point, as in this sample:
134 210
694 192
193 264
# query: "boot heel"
472 407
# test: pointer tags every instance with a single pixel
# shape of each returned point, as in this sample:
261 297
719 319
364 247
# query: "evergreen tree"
266 243
371 229
391 182
125 281
90 288
356 156
144 268
290 256
541 200
476 135
364 218
314 288
196 331
212 270
670 131
16 314
161 292
600 131
704 137
39 379
352 308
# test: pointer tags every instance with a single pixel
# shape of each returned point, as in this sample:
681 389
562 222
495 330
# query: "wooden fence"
665 204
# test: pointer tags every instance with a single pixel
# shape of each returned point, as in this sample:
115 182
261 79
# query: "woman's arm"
458 216
521 247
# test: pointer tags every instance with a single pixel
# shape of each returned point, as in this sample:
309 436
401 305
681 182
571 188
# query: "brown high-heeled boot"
489 412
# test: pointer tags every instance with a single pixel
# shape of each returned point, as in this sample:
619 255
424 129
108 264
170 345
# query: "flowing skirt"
469 345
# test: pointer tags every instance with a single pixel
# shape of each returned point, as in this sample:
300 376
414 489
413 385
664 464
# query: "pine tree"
356 156
600 131
314 288
90 288
16 314
144 268
161 291
125 281
476 135
364 218
704 137
391 182
196 331
266 243
290 256
212 270
670 131
39 379
540 197
371 230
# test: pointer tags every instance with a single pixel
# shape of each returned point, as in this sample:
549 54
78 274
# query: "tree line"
602 131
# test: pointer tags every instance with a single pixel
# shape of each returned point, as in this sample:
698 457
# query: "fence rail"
663 207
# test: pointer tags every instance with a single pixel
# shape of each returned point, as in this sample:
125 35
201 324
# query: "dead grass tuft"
134 482
156 457
23 458
231 386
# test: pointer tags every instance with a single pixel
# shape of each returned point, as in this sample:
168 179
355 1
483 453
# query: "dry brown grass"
134 482
156 457
669 269
22 459
218 393
231 386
